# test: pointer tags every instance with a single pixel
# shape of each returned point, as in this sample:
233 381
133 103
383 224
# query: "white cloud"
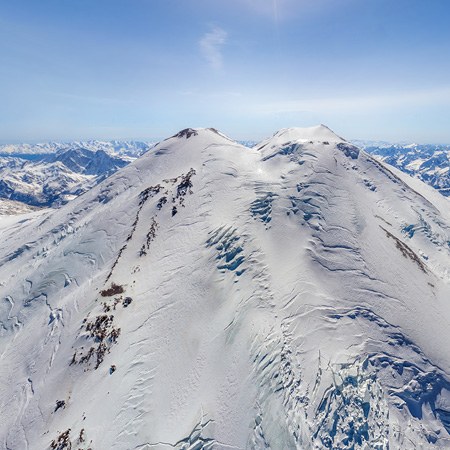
210 46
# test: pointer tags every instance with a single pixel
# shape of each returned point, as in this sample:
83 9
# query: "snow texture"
292 295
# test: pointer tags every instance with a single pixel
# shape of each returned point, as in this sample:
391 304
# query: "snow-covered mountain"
429 163
54 179
293 295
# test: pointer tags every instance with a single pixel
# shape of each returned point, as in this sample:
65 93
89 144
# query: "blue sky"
143 69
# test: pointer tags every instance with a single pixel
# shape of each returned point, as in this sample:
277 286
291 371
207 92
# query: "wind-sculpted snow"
262 208
292 295
229 251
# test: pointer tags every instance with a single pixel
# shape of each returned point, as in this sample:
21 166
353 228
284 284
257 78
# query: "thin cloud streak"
281 10
210 46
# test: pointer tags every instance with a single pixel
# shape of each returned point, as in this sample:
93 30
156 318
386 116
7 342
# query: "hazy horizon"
160 138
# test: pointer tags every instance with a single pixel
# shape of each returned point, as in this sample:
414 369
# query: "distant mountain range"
430 163
49 175
133 149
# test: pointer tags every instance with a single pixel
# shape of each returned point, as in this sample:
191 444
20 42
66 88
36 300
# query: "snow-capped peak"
210 296
208 133
318 133
317 136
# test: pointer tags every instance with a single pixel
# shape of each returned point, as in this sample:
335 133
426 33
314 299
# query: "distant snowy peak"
90 162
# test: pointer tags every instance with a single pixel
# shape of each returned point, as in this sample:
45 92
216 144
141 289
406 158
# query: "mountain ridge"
54 179
429 163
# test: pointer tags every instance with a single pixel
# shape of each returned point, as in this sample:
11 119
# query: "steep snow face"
208 295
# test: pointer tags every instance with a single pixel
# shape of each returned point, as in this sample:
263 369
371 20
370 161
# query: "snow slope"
290 295
11 207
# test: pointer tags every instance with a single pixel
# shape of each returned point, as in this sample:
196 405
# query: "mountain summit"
212 296
319 133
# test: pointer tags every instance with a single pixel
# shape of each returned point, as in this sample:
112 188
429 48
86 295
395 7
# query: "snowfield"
292 295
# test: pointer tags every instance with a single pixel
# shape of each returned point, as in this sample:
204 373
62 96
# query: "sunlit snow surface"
294 295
